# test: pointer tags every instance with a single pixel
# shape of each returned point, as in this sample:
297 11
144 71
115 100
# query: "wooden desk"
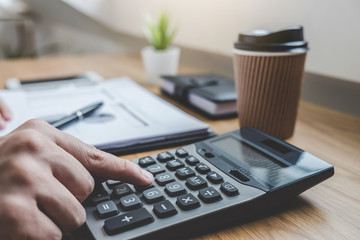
330 210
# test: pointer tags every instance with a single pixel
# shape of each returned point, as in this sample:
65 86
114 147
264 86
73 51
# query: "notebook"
131 119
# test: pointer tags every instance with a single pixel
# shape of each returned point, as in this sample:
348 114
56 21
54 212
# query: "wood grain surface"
330 210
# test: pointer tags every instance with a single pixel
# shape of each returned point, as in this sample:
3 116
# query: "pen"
79 114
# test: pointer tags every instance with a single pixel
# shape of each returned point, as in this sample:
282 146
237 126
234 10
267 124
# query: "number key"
174 189
164 178
153 195
130 202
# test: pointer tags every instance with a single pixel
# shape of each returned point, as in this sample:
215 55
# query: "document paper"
130 115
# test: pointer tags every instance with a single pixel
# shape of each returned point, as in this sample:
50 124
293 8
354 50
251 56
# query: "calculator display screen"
259 164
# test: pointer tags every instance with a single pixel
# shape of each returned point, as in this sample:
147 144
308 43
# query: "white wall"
332 27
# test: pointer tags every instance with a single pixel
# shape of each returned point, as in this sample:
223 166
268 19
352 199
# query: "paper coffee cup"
268 69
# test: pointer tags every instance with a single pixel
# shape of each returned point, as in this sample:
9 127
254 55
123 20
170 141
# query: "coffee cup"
268 70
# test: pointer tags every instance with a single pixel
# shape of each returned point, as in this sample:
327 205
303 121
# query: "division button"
172 165
155 169
196 183
121 190
175 189
126 221
153 195
130 202
146 161
107 209
202 168
191 160
187 202
181 153
184 173
209 195
229 189
165 156
163 178
164 209
214 177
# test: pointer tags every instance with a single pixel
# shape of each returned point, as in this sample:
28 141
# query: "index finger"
97 162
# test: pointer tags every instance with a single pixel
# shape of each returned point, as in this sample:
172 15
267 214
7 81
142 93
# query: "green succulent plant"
159 34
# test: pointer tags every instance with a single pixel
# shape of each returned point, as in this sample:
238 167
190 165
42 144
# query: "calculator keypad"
182 183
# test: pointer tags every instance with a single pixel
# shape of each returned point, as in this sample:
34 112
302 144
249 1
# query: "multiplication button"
187 202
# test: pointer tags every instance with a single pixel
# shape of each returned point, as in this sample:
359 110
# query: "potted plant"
159 58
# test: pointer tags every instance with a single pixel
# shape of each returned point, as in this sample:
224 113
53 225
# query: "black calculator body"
223 180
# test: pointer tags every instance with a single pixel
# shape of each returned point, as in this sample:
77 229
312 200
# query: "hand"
44 177
5 114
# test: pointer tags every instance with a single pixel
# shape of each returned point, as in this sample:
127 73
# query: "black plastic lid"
286 40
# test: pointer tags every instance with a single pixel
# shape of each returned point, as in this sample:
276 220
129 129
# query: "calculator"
222 180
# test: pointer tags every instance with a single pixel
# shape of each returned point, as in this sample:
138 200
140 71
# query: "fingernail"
147 175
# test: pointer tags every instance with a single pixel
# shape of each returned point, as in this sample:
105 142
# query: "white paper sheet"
130 114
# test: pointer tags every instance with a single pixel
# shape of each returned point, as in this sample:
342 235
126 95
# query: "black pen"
79 114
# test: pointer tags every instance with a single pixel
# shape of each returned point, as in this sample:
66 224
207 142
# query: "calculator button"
128 221
214 177
163 179
164 209
130 202
153 195
121 190
112 183
172 165
146 161
202 168
196 183
181 153
187 202
191 160
184 173
175 189
99 195
142 188
107 209
209 195
155 169
165 156
229 189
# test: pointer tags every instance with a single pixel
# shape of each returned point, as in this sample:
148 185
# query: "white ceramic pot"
157 63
